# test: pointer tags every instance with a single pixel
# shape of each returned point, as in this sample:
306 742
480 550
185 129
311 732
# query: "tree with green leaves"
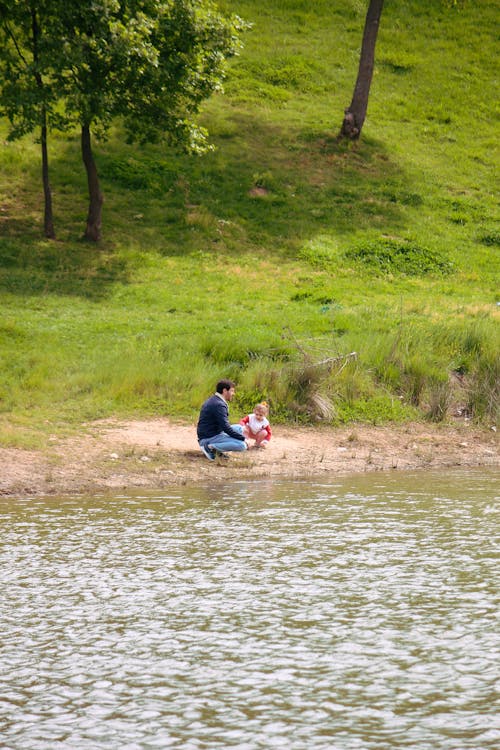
101 45
149 63
354 115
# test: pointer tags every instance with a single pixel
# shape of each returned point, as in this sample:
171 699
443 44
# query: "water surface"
343 614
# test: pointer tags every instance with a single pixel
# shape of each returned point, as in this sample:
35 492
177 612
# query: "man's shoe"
209 453
221 455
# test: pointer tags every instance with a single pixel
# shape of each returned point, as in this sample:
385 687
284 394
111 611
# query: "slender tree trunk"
48 219
47 192
354 115
94 218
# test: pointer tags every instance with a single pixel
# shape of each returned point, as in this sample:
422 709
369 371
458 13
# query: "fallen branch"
334 360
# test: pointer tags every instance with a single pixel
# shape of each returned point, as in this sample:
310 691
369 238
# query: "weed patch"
399 257
155 176
490 239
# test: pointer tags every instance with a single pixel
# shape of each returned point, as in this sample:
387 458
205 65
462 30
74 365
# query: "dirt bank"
110 455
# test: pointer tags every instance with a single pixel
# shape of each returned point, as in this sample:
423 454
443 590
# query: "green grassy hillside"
340 282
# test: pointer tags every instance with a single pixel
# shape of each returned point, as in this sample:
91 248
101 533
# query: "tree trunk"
94 218
48 216
354 115
48 220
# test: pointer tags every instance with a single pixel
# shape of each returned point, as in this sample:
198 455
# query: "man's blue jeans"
224 442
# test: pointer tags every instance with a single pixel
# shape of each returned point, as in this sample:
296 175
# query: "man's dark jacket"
214 418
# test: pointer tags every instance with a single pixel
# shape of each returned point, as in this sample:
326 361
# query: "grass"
279 249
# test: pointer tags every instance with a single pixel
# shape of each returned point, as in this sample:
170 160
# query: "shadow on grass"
265 188
30 266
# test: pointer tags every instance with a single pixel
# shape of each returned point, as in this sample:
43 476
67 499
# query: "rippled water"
359 613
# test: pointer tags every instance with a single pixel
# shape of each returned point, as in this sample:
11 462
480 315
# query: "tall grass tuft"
483 391
440 398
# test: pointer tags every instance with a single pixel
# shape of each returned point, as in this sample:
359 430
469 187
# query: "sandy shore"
115 455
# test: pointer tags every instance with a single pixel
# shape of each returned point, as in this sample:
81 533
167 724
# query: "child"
256 426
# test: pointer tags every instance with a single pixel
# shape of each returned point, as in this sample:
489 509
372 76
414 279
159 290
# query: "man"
215 434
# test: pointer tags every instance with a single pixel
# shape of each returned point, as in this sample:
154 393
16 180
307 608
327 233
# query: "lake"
344 614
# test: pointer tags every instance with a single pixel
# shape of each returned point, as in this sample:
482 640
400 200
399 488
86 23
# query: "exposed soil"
110 455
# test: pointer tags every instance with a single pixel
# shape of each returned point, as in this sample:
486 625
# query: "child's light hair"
263 405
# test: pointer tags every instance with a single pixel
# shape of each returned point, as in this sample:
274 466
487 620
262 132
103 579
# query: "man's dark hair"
224 384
